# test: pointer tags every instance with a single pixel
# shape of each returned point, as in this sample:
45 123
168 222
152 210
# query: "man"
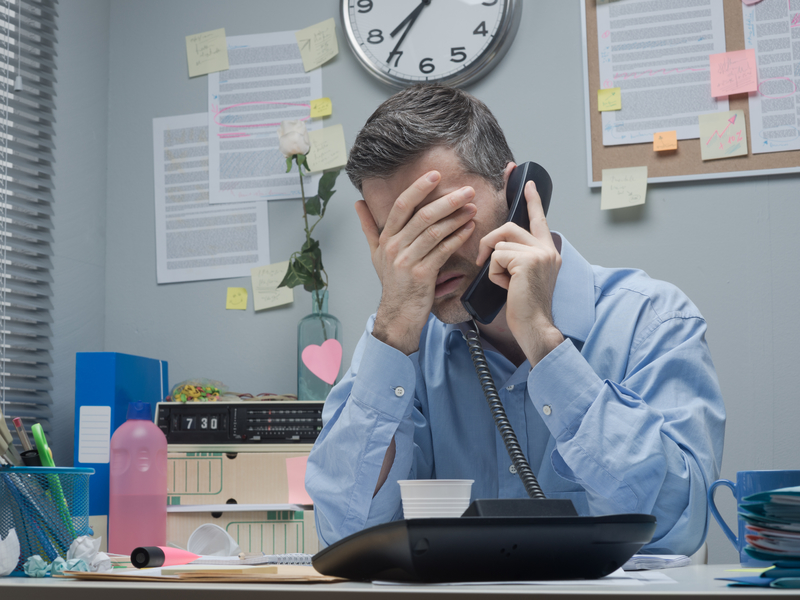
604 373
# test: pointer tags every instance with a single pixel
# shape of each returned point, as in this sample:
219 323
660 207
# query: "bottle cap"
140 411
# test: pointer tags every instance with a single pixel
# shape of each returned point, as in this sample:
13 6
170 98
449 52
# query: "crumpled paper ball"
9 552
35 566
87 548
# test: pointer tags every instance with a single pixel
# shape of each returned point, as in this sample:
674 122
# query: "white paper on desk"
658 56
771 28
195 240
265 84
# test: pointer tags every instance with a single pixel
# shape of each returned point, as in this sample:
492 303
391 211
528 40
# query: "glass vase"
314 330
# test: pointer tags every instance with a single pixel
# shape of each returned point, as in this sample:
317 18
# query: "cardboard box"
267 531
219 478
105 382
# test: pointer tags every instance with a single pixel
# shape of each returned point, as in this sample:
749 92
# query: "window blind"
27 105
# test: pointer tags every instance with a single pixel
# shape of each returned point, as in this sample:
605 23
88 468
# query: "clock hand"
407 23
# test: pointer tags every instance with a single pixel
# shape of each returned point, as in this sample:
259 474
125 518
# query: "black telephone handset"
484 299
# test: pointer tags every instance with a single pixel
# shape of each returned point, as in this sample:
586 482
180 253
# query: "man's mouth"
446 283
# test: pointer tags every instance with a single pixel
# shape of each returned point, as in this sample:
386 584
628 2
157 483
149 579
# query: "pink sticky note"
750 2
733 72
323 361
296 476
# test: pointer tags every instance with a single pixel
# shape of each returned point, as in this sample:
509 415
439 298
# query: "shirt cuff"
562 387
386 379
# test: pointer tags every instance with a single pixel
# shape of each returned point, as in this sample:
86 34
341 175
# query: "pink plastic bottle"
138 483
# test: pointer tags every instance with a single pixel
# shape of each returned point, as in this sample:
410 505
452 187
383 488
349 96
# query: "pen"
55 484
23 436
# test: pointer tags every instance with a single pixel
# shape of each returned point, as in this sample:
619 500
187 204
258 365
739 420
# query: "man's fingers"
405 205
368 225
539 227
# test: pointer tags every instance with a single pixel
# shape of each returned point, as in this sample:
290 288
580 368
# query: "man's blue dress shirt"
625 416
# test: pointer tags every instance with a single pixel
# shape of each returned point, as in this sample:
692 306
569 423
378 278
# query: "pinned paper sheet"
265 280
296 476
733 72
722 135
207 52
665 140
321 107
237 299
327 148
609 99
623 187
317 44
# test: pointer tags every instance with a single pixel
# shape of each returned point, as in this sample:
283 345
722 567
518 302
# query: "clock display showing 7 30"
264 422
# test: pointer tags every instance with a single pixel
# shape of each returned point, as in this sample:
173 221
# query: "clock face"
448 41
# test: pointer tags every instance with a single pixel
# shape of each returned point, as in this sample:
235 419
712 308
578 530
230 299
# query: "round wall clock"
402 42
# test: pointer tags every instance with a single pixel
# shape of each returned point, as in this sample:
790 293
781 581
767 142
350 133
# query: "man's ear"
506 174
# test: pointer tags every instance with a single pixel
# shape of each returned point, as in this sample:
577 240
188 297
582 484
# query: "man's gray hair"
423 117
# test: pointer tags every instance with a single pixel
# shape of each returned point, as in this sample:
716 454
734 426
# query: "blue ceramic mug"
747 483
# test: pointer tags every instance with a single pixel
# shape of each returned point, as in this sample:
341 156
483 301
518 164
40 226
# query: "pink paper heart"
324 361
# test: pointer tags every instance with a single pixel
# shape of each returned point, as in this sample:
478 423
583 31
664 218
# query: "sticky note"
609 99
733 72
665 140
321 107
623 187
722 135
296 478
317 44
265 280
328 150
207 52
237 299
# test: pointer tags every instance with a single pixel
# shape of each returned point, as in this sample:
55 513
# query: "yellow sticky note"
327 148
665 140
321 107
237 299
623 187
207 52
265 280
722 135
609 99
317 44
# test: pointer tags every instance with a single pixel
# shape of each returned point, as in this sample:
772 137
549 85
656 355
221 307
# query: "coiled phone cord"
499 414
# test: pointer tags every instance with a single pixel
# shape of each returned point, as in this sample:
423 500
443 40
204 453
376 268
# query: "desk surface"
691 582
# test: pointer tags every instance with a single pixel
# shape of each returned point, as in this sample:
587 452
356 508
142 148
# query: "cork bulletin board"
685 164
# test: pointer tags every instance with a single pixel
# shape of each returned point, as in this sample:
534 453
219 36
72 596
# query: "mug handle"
725 529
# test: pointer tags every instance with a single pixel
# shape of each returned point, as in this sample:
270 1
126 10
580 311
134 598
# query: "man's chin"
450 310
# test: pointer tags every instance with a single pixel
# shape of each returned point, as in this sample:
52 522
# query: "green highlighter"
57 493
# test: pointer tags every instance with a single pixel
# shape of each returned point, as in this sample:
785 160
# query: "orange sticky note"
609 99
665 140
733 72
296 476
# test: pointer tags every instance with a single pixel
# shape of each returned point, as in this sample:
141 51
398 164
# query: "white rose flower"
293 138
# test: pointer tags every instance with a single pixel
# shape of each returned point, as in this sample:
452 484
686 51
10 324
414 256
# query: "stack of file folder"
772 523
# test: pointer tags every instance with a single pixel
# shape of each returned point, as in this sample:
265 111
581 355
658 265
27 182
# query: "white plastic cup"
428 498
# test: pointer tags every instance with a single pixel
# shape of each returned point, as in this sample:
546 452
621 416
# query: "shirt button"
547 410
509 388
399 391
512 469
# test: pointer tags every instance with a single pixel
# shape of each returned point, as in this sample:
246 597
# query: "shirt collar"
573 298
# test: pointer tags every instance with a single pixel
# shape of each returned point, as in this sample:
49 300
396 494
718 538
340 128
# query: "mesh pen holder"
48 508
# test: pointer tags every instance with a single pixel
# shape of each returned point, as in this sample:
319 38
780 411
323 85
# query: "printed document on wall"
772 28
196 240
656 52
265 84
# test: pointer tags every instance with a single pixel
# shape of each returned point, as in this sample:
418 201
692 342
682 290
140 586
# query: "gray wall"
731 245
